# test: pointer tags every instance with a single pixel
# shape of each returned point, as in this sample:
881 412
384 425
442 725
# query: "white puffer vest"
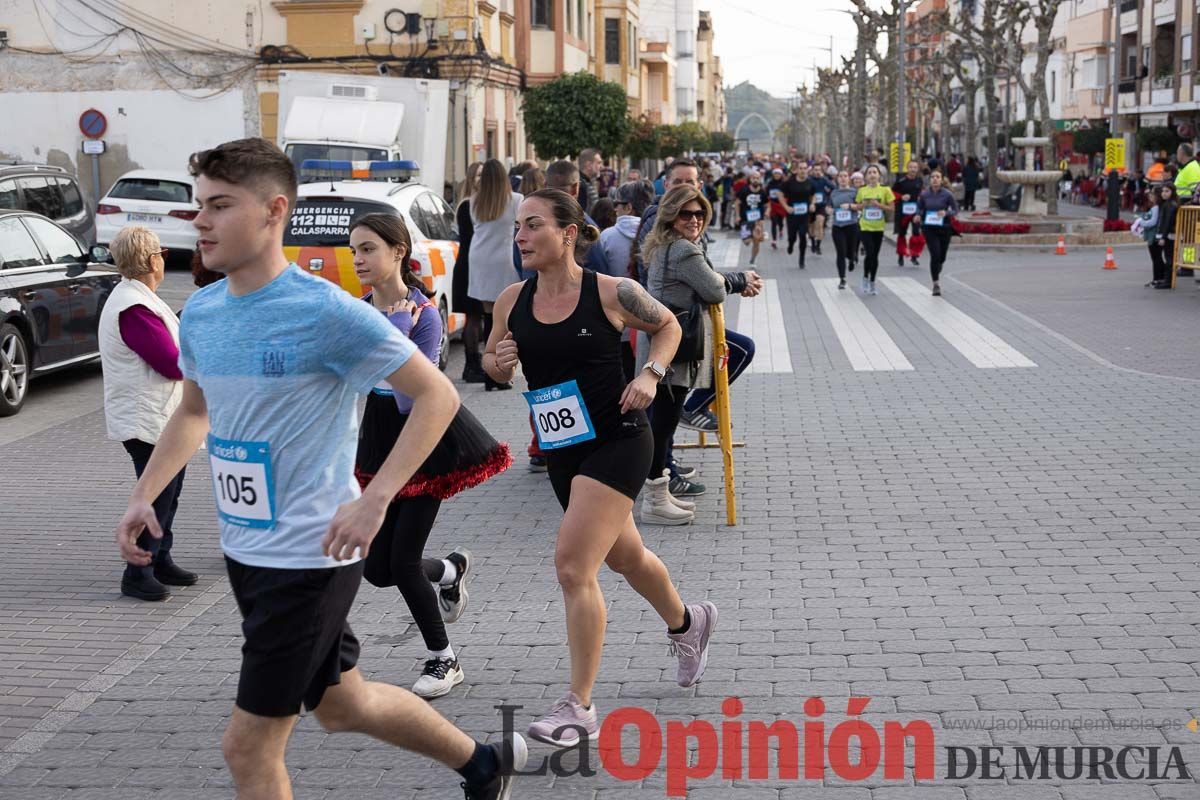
137 400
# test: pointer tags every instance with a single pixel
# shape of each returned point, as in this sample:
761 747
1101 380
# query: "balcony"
1127 86
1164 11
1128 5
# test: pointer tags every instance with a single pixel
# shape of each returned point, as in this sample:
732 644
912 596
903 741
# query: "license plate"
152 218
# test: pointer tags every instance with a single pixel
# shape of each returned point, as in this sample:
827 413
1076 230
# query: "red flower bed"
1111 225
989 227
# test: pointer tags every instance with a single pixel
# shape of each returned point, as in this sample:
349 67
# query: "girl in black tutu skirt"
466 456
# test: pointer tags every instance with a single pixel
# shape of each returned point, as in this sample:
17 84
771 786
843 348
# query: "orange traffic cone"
1109 261
1061 250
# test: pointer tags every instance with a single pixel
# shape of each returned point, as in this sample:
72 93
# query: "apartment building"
618 55
710 100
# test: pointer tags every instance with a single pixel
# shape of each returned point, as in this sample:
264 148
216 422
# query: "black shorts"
297 639
619 464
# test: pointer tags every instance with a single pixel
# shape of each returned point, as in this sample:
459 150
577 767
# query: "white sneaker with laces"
438 678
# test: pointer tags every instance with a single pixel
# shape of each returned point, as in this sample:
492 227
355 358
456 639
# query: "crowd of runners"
594 289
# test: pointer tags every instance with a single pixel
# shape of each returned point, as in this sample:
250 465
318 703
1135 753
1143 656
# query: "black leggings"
797 227
664 418
395 560
872 241
776 227
845 241
938 242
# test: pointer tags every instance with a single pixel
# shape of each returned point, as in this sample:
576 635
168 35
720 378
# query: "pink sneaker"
691 646
566 722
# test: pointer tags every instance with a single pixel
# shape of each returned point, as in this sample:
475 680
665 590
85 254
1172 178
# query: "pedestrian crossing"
980 346
853 318
864 340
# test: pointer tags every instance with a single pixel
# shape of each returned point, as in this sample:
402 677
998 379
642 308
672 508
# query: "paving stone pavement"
1009 555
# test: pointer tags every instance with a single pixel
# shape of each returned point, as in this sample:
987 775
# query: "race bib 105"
242 483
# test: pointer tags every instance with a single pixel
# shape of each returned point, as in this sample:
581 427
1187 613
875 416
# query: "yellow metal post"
1187 240
724 423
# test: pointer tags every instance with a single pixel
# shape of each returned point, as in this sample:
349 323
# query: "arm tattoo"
637 302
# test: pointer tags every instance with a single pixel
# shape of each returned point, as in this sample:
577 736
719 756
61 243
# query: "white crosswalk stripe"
980 346
866 343
761 318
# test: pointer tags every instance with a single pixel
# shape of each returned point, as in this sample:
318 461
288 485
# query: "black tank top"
584 347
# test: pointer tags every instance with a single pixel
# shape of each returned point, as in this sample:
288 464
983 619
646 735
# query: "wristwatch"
659 371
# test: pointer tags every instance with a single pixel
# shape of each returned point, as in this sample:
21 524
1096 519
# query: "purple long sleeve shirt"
147 335
426 335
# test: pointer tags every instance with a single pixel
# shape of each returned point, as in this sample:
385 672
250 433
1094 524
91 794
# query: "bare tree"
985 30
1041 14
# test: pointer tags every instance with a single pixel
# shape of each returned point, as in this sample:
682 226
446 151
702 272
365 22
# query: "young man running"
798 193
273 360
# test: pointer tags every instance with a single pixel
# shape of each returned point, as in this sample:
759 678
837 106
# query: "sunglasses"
163 252
697 215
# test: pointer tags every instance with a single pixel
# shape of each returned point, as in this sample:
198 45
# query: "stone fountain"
1030 177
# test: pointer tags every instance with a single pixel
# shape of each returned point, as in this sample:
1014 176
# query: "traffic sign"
93 123
894 162
1114 154
93 147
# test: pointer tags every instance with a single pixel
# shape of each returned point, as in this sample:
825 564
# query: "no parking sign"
93 123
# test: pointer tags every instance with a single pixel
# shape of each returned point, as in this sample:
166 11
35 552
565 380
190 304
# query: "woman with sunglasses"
139 352
680 276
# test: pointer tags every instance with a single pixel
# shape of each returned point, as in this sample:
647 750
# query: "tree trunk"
970 95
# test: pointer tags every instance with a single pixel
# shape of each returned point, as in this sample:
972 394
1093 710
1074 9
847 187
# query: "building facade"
710 100
617 53
670 28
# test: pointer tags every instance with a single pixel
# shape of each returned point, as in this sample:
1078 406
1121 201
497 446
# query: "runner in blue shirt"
274 360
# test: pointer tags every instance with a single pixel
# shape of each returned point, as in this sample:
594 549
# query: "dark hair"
393 231
201 275
532 179
567 211
254 163
561 174
604 213
681 162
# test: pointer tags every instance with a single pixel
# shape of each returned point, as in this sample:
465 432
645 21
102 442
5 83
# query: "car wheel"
444 345
14 369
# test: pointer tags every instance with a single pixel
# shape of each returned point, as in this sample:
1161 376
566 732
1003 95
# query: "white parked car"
160 200
318 235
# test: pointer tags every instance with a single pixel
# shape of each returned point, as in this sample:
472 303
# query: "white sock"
450 575
447 653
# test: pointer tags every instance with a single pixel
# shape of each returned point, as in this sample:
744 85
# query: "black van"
50 191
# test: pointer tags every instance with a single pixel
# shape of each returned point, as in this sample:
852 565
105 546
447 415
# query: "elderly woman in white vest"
139 351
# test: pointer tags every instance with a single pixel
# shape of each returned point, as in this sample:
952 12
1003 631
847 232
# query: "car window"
449 223
60 245
17 248
423 223
151 189
42 196
8 194
72 201
325 221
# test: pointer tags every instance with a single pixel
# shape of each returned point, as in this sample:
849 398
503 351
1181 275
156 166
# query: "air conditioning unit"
353 91
3 40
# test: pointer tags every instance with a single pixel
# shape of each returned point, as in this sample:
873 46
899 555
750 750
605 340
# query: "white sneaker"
438 678
873 290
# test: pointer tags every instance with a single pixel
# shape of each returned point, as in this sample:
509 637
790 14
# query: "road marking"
761 318
724 254
980 346
867 344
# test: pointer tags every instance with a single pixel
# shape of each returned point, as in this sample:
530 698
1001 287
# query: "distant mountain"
745 99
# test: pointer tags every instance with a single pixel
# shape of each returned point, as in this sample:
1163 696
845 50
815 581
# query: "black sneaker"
170 573
682 487
452 599
537 463
851 266
791 247
702 420
900 261
916 262
145 588
680 471
511 755
842 284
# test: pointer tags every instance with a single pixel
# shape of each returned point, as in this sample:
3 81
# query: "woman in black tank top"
564 328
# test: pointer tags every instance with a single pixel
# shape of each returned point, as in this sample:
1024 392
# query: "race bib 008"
560 416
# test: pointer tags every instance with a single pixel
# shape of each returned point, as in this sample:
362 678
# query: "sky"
773 43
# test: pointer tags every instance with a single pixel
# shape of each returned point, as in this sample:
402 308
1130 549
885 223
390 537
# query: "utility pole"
1114 192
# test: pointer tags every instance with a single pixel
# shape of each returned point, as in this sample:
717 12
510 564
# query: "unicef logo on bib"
560 416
